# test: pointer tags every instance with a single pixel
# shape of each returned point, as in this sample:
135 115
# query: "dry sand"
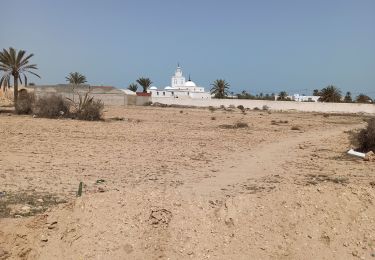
170 183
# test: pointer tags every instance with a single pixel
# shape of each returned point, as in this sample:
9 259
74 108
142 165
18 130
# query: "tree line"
16 64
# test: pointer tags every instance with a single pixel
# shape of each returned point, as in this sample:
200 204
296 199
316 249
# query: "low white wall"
109 99
273 105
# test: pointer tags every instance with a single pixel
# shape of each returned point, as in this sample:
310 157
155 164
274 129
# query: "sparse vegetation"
52 106
87 108
211 108
235 125
25 102
366 137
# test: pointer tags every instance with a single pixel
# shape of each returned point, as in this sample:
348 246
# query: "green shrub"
52 106
25 102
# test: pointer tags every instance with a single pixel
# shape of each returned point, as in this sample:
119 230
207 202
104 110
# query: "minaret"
178 80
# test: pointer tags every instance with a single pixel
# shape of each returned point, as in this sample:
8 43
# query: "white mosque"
180 88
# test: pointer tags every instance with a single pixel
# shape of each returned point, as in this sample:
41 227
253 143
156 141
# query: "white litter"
357 154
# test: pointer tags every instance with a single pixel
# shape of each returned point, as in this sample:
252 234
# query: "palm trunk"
15 93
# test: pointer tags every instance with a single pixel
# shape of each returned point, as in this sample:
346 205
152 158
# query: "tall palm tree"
15 64
76 78
133 87
145 83
330 94
220 88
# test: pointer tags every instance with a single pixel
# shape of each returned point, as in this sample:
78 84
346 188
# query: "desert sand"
179 183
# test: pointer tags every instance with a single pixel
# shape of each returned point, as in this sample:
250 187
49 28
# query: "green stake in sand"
79 193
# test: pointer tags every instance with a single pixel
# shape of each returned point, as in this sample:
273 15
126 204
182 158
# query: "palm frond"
33 73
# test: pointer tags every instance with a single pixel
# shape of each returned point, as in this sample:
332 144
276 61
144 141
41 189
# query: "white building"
302 98
180 88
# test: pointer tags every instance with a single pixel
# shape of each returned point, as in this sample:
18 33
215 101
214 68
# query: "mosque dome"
190 84
153 88
168 87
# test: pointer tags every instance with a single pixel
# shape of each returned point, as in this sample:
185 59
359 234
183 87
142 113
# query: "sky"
258 46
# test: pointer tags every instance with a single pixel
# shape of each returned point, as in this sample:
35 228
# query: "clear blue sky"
260 46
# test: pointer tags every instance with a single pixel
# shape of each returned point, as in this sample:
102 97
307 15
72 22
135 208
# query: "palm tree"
133 87
282 96
15 64
220 88
348 97
330 94
145 83
316 92
362 98
76 78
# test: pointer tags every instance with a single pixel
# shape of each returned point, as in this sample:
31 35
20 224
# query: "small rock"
373 254
52 225
370 156
355 253
128 248
43 239
26 209
40 200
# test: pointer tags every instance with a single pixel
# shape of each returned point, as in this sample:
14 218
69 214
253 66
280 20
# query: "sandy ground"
170 183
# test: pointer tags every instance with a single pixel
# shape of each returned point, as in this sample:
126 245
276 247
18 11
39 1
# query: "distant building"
180 88
301 98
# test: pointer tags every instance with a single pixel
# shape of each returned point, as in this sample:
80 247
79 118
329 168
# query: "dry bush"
91 111
52 106
241 107
265 108
213 118
296 127
366 137
211 108
25 102
241 125
256 108
234 126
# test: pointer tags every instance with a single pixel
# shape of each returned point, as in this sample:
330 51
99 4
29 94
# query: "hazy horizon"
257 46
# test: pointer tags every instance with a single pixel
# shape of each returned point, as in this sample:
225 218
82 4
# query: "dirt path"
265 159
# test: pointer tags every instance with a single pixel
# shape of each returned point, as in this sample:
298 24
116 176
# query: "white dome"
168 87
190 84
153 88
